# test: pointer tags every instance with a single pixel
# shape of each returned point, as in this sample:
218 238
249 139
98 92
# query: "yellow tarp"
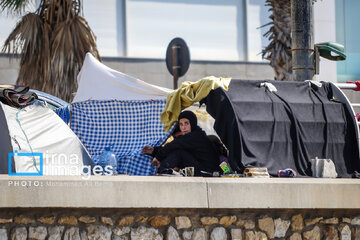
188 94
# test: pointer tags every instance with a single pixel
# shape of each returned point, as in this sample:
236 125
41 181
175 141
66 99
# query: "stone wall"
176 224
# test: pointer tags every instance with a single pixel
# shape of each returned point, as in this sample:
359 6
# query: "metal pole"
175 64
303 67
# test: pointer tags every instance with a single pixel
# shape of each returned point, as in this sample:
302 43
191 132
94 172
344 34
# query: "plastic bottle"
106 159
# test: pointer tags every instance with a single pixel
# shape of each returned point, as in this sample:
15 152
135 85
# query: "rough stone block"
345 232
236 234
142 232
247 224
172 234
226 221
355 221
313 234
218 233
182 222
159 221
72 234
47 220
99 232
23 220
55 232
297 223
121 231
87 219
6 220
207 221
71 220
3 234
19 233
281 227
199 234
331 233
126 221
295 236
37 233
107 221
267 225
187 235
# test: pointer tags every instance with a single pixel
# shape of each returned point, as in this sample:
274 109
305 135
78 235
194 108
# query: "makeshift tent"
33 131
281 125
112 109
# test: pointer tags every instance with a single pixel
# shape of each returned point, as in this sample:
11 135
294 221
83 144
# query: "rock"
83 235
47 220
141 219
98 232
172 234
250 235
37 233
267 225
142 233
281 227
182 222
114 237
72 220
72 234
247 224
187 235
207 221
159 221
218 233
236 234
19 233
330 233
107 221
309 222
23 220
6 220
226 221
55 233
126 221
297 223
199 234
345 232
346 220
330 221
3 234
121 231
314 234
356 233
295 236
355 221
87 219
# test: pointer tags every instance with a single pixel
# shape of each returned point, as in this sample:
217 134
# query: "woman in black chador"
190 148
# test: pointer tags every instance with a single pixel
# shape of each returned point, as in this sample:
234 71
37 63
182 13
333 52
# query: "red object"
357 85
358 117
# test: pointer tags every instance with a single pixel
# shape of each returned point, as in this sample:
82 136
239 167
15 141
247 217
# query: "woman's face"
185 126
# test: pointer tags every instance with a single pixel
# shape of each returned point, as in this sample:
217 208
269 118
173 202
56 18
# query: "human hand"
155 162
147 150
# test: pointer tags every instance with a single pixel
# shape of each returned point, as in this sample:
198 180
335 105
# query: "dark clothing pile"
191 150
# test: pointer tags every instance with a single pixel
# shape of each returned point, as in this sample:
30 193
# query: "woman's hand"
155 162
147 150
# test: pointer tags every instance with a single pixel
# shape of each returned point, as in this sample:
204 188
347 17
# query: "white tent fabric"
99 82
37 129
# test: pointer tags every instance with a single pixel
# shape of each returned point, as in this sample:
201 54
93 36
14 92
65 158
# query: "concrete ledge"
178 192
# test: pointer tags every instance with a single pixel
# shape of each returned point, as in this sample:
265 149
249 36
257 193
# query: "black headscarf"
191 117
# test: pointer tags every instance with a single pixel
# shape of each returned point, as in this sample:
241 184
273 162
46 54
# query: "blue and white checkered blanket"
127 126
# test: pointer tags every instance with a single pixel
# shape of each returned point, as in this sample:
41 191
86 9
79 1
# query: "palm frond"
52 43
278 52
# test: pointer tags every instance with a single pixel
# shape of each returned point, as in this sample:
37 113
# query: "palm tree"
52 43
279 49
